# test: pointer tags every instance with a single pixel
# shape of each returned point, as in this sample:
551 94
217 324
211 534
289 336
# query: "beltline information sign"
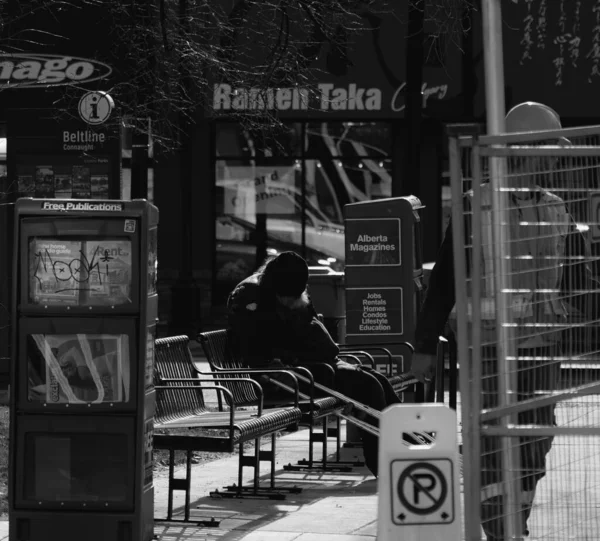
419 497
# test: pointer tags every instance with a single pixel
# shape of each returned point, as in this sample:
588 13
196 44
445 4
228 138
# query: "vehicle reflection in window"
300 190
236 250
284 219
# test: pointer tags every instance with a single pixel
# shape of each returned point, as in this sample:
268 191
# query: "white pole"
493 58
505 350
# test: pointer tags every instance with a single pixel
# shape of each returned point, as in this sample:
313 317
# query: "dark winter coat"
263 333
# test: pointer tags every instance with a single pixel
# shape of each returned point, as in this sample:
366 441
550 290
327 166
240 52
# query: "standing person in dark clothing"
545 255
275 324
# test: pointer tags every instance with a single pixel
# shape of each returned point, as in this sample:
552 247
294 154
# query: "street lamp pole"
414 98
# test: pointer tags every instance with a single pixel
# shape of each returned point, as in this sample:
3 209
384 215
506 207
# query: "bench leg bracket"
253 461
324 464
183 484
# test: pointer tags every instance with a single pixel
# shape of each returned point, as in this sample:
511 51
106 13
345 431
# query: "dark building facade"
551 55
343 139
47 150
237 194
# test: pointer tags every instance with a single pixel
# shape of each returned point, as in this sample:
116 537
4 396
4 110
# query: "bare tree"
169 52
449 19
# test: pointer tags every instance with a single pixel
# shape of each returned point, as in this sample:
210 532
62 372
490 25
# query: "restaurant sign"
45 70
322 97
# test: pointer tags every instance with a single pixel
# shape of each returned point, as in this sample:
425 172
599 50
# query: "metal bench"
220 355
180 404
316 412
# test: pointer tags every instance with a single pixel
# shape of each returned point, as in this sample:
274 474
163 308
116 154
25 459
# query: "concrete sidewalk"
332 506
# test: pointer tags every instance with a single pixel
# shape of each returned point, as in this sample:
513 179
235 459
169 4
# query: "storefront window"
290 196
259 205
235 141
348 139
331 184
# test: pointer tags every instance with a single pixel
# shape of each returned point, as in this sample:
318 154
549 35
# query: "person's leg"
541 375
365 388
323 374
388 391
392 398
534 376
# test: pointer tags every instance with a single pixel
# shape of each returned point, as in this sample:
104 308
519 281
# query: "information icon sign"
95 107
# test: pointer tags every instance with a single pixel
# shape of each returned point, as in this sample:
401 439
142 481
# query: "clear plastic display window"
83 467
76 272
78 368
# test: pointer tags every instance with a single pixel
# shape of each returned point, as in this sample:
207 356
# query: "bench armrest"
306 376
295 384
218 388
357 354
351 357
301 371
377 347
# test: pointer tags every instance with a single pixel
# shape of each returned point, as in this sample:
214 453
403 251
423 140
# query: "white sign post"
594 202
419 498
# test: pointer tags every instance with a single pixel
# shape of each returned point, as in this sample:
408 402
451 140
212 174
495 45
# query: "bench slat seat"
219 419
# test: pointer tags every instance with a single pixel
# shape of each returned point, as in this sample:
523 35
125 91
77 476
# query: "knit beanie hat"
289 274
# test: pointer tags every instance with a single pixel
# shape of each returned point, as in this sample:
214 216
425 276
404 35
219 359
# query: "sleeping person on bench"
274 324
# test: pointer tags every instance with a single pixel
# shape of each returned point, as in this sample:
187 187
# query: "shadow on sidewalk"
239 517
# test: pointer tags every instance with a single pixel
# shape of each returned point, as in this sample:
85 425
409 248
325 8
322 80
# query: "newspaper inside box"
78 368
80 272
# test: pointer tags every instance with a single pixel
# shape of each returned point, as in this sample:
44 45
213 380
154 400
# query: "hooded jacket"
263 333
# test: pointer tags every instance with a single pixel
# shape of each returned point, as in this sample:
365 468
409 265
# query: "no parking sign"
419 495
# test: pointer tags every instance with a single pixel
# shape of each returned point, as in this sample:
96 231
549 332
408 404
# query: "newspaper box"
82 357
384 271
